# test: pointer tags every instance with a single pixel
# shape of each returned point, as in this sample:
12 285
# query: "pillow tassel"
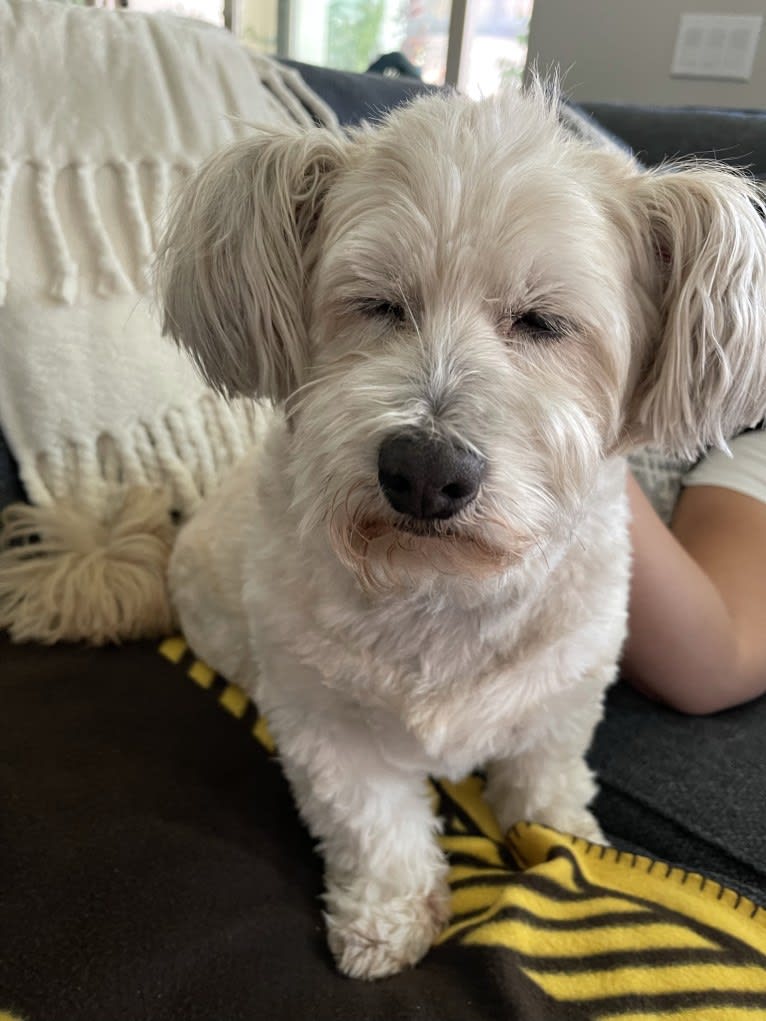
7 175
138 220
69 574
159 192
65 272
112 278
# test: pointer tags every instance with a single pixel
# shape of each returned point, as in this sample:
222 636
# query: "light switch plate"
716 46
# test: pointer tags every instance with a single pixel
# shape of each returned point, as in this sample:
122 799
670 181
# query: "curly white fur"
378 284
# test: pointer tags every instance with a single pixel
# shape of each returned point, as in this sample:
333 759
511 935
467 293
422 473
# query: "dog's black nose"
428 476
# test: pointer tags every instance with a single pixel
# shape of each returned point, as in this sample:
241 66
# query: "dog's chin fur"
389 551
386 281
385 556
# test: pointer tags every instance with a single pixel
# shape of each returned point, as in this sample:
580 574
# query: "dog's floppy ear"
704 376
231 269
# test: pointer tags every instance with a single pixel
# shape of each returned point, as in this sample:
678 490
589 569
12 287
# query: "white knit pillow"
101 113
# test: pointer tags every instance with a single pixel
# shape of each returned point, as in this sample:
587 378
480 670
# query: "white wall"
620 50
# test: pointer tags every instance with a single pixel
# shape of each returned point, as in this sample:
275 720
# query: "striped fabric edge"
615 934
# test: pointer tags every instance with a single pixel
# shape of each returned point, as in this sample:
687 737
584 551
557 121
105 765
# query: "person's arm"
696 632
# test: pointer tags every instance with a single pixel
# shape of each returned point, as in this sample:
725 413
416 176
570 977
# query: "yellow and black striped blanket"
613 934
153 868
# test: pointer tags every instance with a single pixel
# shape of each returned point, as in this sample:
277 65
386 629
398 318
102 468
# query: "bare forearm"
686 644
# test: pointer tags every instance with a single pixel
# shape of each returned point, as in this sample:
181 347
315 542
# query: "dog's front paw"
561 815
578 821
373 935
554 798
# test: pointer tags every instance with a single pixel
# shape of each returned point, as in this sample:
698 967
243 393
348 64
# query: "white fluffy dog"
464 317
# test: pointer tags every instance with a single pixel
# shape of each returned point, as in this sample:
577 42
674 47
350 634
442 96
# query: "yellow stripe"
562 871
468 795
685 892
477 847
478 872
481 920
475 898
173 648
234 700
201 673
527 939
479 896
549 908
652 981
261 733
691 1014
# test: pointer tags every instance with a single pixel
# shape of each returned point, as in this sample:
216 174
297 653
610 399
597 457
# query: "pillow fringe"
143 224
139 223
187 449
159 193
294 96
63 286
8 170
111 278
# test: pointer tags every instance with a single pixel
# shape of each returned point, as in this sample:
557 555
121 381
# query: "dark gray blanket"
688 789
153 866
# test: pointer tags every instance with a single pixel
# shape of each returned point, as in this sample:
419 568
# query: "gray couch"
736 137
130 844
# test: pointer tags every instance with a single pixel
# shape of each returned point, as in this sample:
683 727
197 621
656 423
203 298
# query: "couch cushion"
358 97
690 789
736 137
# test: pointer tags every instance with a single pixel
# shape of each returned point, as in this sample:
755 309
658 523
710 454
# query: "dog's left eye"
379 308
533 325
534 322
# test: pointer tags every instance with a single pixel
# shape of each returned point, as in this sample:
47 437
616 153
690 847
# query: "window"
494 49
475 44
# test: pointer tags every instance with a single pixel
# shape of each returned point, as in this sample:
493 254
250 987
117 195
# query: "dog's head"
464 311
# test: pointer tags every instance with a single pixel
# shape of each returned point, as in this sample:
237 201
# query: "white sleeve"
744 471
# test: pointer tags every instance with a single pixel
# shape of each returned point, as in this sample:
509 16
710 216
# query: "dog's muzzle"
428 477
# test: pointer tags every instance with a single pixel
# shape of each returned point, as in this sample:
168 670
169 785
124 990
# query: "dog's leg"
548 780
545 787
206 578
387 896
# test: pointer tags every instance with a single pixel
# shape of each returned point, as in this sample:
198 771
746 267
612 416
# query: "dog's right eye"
379 308
532 325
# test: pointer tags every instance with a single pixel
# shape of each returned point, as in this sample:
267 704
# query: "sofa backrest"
735 137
